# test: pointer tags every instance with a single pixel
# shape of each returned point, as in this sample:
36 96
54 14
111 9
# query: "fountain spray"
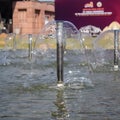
116 49
60 52
14 42
30 46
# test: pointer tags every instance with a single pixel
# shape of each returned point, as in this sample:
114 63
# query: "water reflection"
116 76
62 112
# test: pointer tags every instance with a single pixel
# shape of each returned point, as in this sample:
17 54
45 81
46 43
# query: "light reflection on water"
28 92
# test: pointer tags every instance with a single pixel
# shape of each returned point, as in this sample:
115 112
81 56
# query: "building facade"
27 17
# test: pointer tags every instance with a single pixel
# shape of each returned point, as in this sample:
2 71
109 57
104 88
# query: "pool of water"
28 90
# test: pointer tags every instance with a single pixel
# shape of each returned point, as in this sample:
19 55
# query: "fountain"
105 51
68 44
45 77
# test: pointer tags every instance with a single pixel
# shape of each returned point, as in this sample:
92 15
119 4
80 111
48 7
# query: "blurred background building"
25 16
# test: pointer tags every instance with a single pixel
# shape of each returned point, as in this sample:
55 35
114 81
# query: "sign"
99 13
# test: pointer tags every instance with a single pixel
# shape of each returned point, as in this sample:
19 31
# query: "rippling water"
28 91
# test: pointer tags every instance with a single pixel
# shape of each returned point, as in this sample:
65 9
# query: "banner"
99 13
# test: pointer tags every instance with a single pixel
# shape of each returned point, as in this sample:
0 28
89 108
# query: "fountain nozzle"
116 50
60 53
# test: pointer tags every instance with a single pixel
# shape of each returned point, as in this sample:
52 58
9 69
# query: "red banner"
99 13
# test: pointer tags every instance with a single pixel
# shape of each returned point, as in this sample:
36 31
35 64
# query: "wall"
30 17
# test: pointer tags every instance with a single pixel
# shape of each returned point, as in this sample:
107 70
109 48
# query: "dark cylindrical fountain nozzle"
30 46
116 49
60 52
